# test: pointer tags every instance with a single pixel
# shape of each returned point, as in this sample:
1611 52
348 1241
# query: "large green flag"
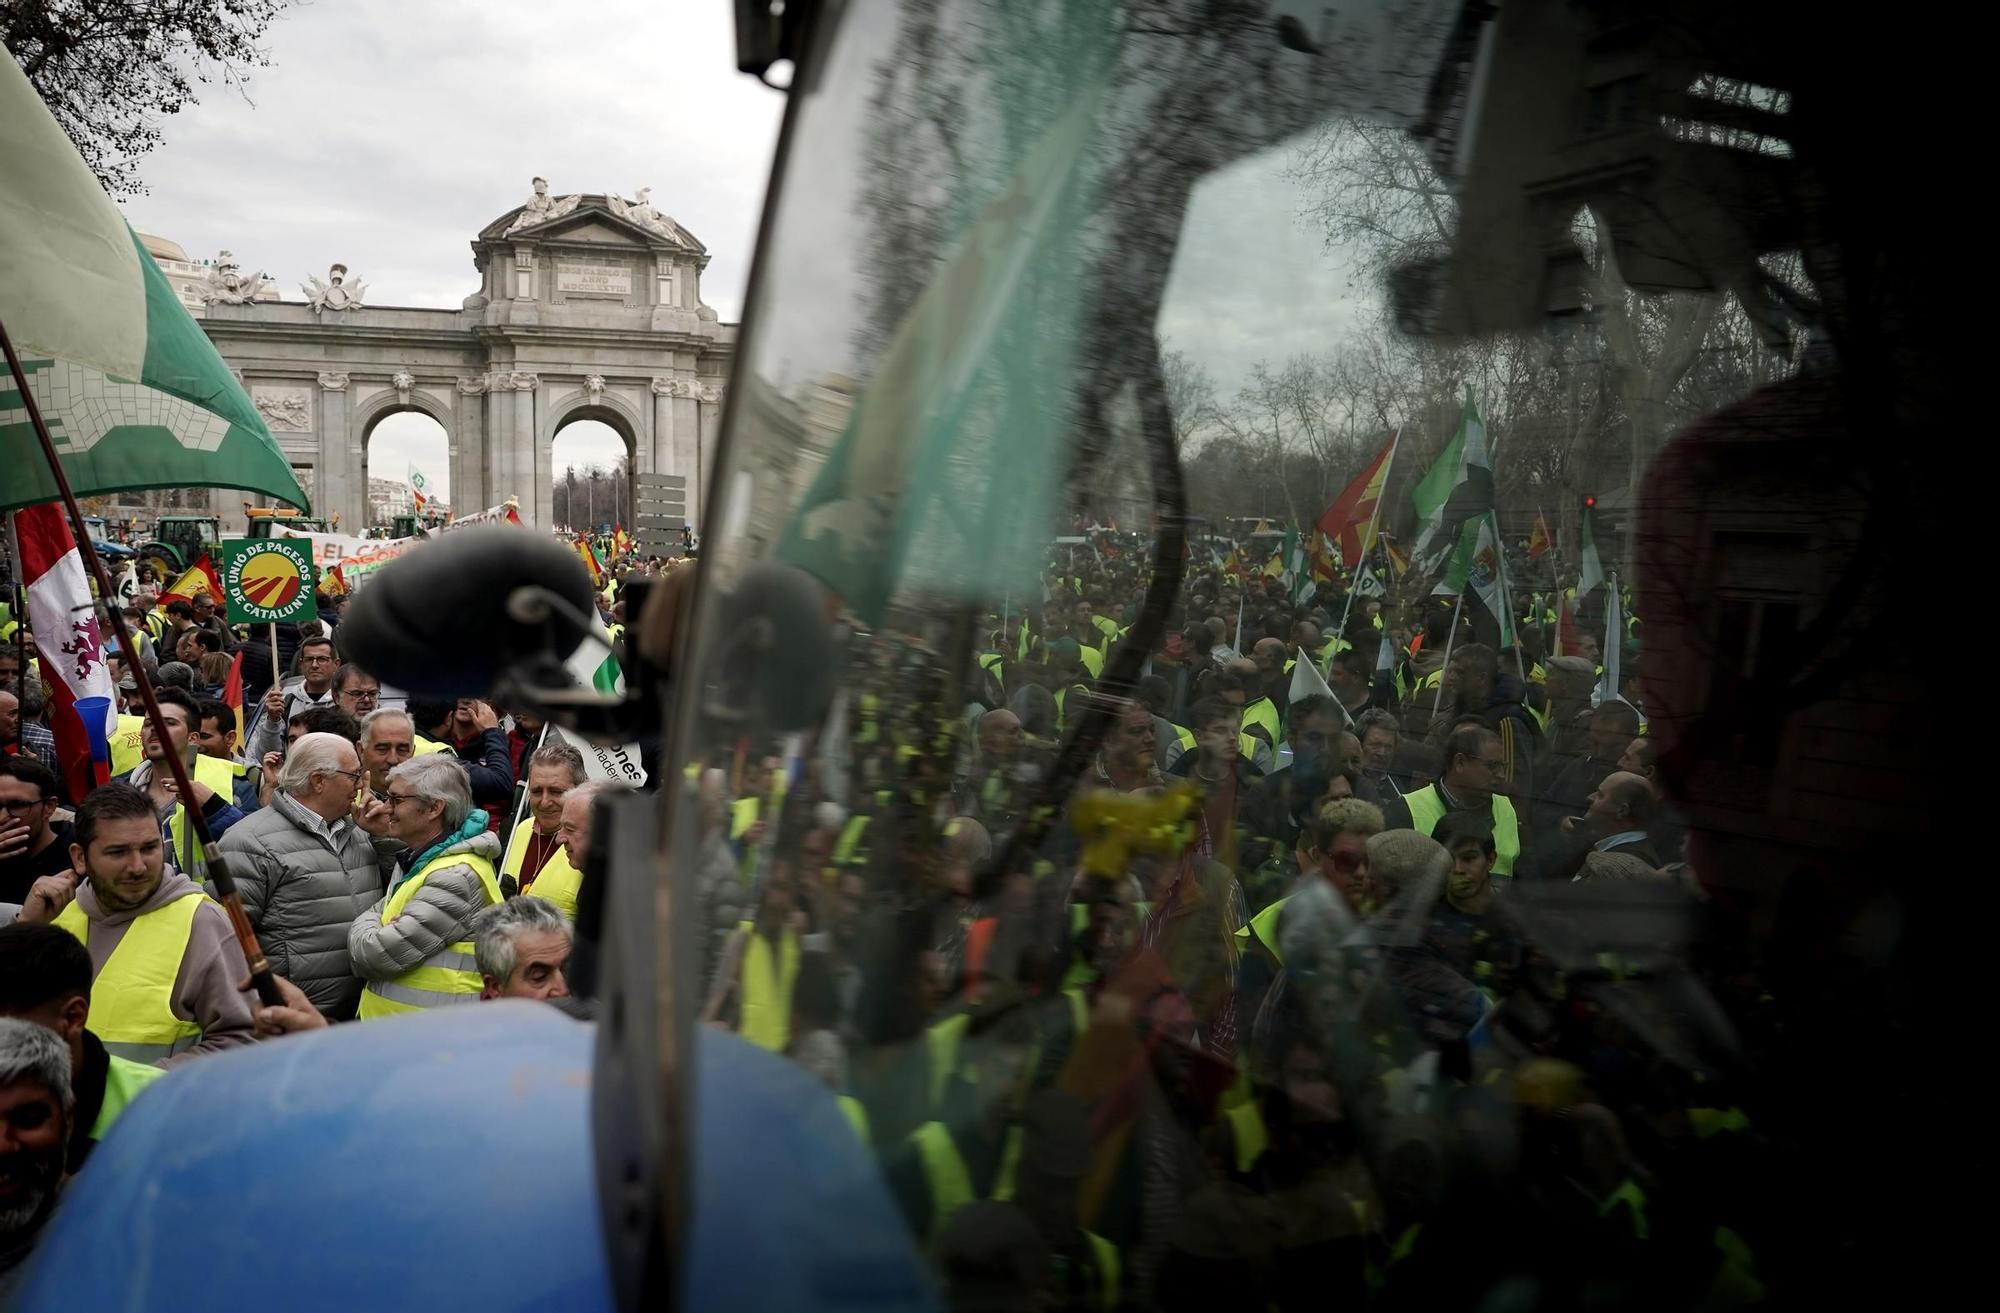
945 479
134 393
1457 488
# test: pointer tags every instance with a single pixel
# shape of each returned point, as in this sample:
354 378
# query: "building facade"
588 307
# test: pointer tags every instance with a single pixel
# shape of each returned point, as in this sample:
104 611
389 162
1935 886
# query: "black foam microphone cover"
434 622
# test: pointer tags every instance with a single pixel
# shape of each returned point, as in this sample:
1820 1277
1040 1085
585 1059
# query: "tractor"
181 540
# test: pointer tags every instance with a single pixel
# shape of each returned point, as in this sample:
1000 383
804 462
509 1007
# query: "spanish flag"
582 546
1539 540
197 578
1350 521
1397 561
232 693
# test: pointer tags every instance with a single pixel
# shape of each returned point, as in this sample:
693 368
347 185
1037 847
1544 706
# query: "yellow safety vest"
1427 809
941 1047
991 663
132 997
1263 715
122 1084
127 750
742 815
220 776
1093 661
450 975
421 746
765 1012
1263 929
946 1174
1247 1128
847 848
557 881
857 1115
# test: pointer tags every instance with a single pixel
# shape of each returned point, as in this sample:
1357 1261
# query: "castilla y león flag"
67 638
133 393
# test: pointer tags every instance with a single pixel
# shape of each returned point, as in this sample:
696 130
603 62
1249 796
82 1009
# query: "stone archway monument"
589 306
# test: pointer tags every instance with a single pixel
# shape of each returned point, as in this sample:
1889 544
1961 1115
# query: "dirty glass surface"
1293 697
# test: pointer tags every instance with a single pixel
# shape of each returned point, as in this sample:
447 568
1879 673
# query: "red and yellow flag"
590 562
232 693
1397 561
197 578
1540 540
1350 521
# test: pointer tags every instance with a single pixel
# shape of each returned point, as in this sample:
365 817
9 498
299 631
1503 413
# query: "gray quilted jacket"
302 895
437 915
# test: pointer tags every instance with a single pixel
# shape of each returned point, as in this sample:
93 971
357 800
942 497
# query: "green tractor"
178 541
181 540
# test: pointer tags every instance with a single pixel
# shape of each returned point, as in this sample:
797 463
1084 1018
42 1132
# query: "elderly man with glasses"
414 948
307 870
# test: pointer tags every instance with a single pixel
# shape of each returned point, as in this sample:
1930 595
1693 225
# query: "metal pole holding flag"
261 977
1450 637
20 636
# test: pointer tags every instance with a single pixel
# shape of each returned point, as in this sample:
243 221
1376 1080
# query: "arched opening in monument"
409 471
592 482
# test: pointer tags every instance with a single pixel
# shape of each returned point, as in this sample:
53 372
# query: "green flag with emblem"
133 392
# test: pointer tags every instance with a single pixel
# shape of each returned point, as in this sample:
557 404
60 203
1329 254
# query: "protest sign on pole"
267 581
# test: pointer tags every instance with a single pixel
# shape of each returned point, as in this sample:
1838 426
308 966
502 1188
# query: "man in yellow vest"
214 781
414 949
45 978
561 882
536 845
973 1150
164 962
1473 772
760 967
522 947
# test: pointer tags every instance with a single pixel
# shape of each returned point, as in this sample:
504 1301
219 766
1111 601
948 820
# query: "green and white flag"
945 478
595 665
1455 489
134 393
1593 565
1475 568
1298 570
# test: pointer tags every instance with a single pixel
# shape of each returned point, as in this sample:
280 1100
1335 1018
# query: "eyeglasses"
16 806
354 775
1494 764
398 799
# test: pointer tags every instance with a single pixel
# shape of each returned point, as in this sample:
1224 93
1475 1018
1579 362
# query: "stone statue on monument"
335 293
541 208
640 210
227 284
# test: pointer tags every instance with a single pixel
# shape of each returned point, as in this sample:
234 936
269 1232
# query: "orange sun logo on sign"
271 580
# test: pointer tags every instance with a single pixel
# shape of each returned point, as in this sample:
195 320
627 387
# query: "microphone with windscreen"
459 613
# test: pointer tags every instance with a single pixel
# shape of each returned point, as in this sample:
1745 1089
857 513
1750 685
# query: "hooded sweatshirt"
205 989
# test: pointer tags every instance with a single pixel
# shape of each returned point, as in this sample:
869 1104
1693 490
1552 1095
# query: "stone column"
499 424
687 442
468 448
661 439
710 400
530 470
337 461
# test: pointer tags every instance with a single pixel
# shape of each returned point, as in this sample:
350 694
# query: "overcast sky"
386 134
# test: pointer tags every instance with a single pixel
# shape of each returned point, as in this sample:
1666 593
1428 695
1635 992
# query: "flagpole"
1509 620
1374 519
522 806
261 977
1451 636
21 638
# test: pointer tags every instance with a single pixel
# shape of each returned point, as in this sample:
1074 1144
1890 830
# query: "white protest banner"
620 765
507 512
353 558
